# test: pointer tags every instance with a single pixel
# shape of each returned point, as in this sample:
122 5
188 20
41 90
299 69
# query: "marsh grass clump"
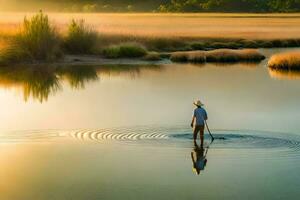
220 55
36 41
229 55
285 61
124 50
152 56
179 57
80 38
189 56
165 44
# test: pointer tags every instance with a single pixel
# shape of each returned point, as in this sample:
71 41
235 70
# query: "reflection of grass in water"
35 82
284 74
78 76
39 85
132 70
246 65
40 82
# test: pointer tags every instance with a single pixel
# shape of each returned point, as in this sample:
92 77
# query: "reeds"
152 56
36 41
221 55
80 38
285 61
124 50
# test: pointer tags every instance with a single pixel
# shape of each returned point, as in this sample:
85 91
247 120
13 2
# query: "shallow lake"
122 132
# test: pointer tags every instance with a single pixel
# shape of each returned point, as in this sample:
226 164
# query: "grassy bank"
175 43
39 41
285 61
221 55
124 50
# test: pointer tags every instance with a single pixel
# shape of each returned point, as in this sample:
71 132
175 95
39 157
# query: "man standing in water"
198 122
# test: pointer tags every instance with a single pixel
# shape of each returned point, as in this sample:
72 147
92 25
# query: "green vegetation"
243 43
152 56
80 38
221 55
285 61
37 41
164 44
124 50
230 6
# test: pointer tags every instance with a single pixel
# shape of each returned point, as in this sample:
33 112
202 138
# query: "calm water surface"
122 132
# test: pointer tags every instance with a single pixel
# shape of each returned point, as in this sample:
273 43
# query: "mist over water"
210 25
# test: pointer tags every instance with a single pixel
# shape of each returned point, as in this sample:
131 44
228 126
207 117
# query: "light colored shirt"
200 115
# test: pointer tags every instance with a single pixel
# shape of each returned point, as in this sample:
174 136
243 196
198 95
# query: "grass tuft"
80 38
228 55
152 56
124 50
36 41
285 61
220 55
188 56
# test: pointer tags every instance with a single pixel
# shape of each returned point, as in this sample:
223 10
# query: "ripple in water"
175 136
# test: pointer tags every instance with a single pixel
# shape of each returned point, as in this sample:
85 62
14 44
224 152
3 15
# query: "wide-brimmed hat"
198 103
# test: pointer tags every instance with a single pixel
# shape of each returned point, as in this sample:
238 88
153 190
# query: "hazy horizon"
181 6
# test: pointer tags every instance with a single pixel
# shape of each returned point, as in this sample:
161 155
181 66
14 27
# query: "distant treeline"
259 6
231 6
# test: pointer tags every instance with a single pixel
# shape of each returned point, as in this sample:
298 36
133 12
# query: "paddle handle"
212 137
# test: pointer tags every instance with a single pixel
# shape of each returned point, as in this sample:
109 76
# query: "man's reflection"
199 158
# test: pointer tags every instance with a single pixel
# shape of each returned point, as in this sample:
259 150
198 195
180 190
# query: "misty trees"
231 6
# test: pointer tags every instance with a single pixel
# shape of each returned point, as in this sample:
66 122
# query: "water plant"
220 55
124 50
229 55
37 40
285 61
80 38
152 56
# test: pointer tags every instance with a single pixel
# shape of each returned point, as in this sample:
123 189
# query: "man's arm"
193 119
192 123
205 116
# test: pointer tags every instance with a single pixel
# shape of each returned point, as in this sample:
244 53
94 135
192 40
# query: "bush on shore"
80 38
124 50
285 61
36 41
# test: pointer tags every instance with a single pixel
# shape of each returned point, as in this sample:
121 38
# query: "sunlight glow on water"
58 142
236 97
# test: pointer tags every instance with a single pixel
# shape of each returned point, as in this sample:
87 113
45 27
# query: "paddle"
212 137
